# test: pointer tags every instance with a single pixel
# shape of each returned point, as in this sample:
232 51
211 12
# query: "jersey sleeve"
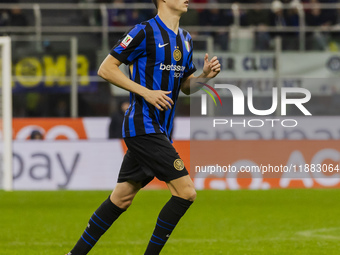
190 66
130 46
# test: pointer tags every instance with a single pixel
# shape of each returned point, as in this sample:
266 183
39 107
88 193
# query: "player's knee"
192 195
189 194
126 204
122 202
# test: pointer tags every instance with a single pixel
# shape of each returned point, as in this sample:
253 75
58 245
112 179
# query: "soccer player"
159 55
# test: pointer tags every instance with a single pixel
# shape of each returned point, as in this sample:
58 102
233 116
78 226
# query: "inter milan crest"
179 164
177 54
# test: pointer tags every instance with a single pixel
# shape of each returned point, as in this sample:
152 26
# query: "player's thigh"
183 187
124 192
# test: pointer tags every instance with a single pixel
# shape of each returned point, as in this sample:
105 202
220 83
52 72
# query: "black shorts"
149 156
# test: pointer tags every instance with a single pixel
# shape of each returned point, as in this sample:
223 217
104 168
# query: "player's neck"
170 20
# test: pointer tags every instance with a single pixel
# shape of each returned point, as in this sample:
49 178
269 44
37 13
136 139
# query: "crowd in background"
260 21
259 17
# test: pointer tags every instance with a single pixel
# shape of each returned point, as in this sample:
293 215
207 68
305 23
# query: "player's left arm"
210 70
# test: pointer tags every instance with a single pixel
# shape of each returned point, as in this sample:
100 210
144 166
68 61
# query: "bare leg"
124 193
183 187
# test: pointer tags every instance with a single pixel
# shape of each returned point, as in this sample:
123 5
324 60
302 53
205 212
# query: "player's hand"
159 99
211 68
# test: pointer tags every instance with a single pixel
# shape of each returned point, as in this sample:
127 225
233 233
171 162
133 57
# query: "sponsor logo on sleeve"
126 41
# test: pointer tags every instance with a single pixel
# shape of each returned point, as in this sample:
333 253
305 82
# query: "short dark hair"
155 3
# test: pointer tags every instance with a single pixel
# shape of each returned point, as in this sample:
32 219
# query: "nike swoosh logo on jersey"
161 46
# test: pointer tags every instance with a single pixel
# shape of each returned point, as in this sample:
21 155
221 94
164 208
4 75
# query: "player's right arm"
109 70
127 50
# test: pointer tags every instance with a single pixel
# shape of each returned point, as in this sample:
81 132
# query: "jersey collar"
164 26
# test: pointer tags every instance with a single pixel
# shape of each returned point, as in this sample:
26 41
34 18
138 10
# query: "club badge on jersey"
126 41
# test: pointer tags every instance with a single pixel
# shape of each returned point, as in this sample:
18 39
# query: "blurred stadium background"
65 119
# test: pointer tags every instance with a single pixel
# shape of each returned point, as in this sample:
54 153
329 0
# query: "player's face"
180 6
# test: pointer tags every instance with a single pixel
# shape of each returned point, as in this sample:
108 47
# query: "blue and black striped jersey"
158 59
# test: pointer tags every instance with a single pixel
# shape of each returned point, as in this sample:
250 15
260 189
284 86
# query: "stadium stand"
306 25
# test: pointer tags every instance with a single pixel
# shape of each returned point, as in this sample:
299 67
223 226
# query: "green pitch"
220 222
